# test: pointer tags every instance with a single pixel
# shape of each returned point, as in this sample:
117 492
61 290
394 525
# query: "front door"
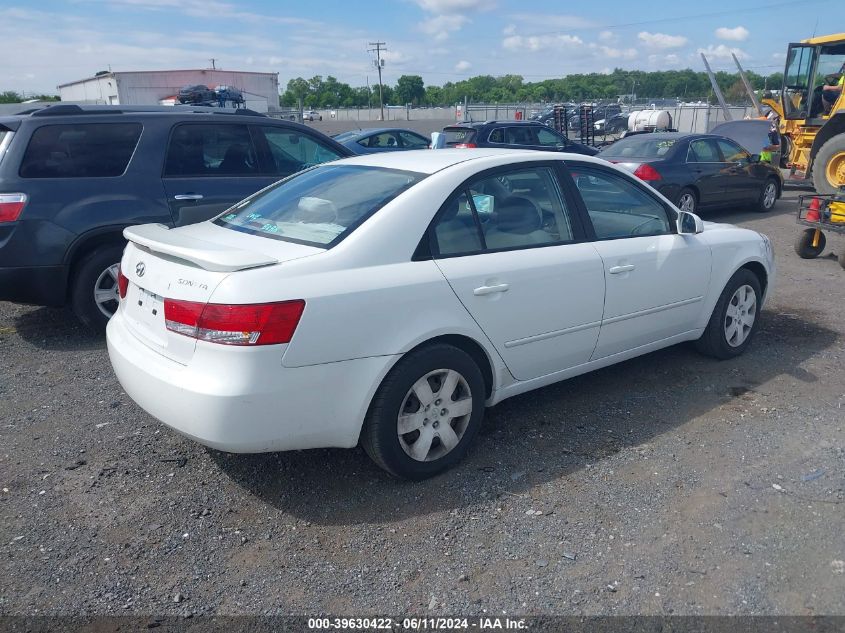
655 278
509 247
707 169
208 168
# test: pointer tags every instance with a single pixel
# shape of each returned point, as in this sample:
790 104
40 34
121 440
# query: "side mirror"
689 223
755 158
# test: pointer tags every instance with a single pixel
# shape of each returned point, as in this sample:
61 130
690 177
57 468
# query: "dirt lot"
668 484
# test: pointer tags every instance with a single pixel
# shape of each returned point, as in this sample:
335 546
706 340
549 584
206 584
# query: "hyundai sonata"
388 299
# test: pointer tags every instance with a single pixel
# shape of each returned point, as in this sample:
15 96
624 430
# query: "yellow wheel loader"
811 107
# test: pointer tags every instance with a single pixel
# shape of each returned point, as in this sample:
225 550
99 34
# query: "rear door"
655 278
513 252
708 170
208 168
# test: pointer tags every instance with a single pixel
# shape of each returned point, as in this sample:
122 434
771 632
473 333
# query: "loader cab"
809 67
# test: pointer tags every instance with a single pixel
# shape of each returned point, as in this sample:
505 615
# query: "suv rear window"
85 150
458 136
318 207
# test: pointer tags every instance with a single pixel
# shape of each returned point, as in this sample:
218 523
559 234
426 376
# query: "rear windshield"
458 135
318 207
643 146
344 136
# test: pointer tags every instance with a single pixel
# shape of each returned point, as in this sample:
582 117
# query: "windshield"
641 146
796 81
318 207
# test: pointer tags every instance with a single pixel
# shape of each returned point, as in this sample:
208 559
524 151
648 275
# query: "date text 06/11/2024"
417 624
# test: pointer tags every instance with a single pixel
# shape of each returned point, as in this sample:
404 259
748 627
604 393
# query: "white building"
155 87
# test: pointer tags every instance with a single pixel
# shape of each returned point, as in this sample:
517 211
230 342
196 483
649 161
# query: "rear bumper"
241 399
38 285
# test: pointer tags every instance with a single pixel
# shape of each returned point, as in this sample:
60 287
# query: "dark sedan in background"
512 135
698 171
382 140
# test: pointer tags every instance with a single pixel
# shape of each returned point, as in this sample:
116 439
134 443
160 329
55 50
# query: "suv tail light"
465 145
11 205
647 172
250 324
122 283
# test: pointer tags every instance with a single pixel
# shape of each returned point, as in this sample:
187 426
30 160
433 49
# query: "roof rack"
75 109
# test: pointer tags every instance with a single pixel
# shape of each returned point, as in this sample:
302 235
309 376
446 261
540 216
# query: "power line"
379 47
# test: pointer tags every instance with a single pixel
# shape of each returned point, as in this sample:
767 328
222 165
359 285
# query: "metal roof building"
159 87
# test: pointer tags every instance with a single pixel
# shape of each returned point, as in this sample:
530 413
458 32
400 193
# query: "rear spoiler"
159 238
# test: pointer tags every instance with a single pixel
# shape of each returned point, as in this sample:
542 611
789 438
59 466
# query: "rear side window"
88 150
644 146
412 140
318 207
458 136
211 150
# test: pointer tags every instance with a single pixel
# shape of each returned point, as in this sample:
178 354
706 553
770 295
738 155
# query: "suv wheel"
94 295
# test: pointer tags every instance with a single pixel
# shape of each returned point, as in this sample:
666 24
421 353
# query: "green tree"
410 89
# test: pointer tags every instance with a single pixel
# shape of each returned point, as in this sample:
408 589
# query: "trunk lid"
187 264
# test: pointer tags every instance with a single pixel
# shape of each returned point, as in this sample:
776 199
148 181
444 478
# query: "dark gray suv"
72 178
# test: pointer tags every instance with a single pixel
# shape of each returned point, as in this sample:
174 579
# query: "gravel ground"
668 484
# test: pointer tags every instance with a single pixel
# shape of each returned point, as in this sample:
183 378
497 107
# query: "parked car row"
253 233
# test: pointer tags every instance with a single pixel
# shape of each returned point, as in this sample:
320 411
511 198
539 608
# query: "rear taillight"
11 205
465 145
122 283
252 324
647 172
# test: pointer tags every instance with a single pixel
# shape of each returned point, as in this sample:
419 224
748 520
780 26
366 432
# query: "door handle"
615 270
188 196
489 290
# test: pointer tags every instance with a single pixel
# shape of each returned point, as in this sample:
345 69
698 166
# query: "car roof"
428 161
480 124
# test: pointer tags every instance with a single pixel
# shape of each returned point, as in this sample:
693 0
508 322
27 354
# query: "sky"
50 42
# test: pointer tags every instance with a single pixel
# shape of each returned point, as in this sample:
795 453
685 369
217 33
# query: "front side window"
318 207
211 150
89 150
796 81
514 209
547 138
731 152
291 151
617 206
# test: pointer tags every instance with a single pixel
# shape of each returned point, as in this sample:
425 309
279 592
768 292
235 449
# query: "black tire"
687 196
86 276
768 196
714 342
831 148
380 437
804 244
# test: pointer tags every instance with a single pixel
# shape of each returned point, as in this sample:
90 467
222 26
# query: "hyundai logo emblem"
140 267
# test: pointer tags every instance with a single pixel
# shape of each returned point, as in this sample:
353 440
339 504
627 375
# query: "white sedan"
388 299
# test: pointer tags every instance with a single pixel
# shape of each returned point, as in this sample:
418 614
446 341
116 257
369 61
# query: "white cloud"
607 36
535 43
661 40
722 52
440 26
553 20
510 29
455 6
463 66
736 34
664 61
610 52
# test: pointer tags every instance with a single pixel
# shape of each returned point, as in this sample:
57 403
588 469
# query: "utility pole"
379 47
213 60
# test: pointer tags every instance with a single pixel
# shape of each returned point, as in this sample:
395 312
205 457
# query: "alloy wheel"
106 291
770 194
740 315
